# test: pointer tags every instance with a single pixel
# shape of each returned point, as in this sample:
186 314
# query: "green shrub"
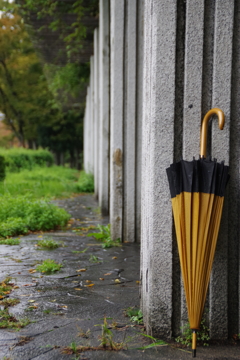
17 159
2 168
85 182
20 214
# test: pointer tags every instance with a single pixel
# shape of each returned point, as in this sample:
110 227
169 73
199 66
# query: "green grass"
25 199
48 243
52 182
86 182
48 267
10 241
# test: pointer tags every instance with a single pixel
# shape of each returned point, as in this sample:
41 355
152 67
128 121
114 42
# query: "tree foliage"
25 99
29 101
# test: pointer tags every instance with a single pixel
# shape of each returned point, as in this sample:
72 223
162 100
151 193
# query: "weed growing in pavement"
135 315
79 252
48 243
48 266
47 311
106 338
155 342
83 334
8 321
104 235
202 335
9 302
5 287
10 241
106 342
94 259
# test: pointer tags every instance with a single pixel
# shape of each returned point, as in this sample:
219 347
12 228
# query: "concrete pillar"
126 118
139 114
158 151
116 116
96 112
191 63
104 99
192 94
221 97
87 132
129 142
91 116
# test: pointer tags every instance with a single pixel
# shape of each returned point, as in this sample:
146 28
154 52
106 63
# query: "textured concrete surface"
206 71
116 115
130 119
104 103
91 117
158 125
221 97
96 113
139 114
64 313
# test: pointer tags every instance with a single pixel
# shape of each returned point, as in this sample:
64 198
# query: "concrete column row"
113 115
158 67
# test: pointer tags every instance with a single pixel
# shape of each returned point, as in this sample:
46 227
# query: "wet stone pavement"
68 310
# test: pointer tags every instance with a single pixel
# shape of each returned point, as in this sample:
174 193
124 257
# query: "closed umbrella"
197 193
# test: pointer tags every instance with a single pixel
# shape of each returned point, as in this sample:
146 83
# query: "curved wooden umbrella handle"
221 121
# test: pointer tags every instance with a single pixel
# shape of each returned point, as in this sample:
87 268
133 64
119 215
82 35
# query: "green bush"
20 214
85 182
17 159
2 168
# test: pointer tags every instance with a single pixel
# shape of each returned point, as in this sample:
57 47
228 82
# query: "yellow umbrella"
197 192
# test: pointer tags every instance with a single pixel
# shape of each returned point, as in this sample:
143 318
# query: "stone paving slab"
64 312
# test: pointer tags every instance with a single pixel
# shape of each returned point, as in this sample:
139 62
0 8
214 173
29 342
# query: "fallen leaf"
64 306
137 282
114 257
77 289
88 281
32 307
75 281
107 274
81 270
40 236
101 278
32 271
31 301
16 287
90 285
117 281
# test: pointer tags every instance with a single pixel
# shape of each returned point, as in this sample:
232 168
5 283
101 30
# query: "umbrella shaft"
194 343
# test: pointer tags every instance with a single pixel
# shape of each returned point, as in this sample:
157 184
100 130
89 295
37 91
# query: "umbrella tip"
194 353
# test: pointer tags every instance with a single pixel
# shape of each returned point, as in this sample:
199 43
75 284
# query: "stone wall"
162 66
